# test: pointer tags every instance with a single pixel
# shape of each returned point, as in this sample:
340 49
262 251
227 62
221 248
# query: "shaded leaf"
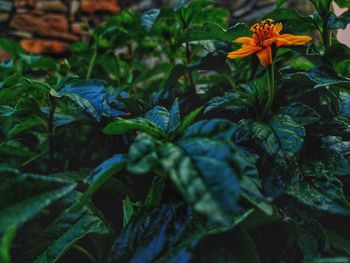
16 213
122 126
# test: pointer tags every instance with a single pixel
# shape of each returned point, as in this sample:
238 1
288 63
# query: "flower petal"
244 51
278 27
265 56
269 42
291 40
246 41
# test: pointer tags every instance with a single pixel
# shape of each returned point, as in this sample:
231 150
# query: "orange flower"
265 34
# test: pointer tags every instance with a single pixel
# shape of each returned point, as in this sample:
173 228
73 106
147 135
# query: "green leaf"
326 77
283 134
149 18
328 260
301 113
322 6
338 22
11 47
218 129
213 62
250 192
155 194
6 111
17 212
292 21
289 134
187 121
211 31
88 94
64 232
230 101
258 132
325 195
152 234
159 116
5 244
98 177
122 126
143 157
280 3
338 54
343 3
174 118
128 210
193 168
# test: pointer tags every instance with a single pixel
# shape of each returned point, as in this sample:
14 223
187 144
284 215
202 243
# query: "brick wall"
48 26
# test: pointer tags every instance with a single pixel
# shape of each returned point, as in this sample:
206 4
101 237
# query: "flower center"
264 30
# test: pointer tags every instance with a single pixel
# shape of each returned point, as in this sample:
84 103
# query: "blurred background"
48 26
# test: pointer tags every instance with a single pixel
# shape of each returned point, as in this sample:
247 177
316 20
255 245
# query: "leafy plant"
147 144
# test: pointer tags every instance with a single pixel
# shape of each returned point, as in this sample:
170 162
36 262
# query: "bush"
147 144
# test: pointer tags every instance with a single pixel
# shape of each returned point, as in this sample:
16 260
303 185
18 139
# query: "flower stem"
270 71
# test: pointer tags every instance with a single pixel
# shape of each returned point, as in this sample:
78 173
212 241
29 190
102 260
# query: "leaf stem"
92 63
270 71
51 132
326 35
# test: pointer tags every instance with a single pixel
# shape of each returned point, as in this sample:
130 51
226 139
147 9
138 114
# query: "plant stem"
51 132
92 63
190 77
326 36
192 85
270 71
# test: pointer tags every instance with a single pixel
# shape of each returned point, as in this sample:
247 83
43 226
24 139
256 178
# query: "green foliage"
146 144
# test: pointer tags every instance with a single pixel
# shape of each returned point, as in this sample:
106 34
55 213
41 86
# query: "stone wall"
48 26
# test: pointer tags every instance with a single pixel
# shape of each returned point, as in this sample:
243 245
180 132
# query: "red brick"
41 46
91 6
48 25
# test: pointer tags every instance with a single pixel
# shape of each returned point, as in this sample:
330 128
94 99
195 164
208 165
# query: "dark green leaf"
18 212
159 116
193 168
5 244
174 118
143 156
122 126
210 31
11 47
289 134
324 195
69 228
128 210
339 22
292 21
301 113
187 121
219 129
343 3
98 177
